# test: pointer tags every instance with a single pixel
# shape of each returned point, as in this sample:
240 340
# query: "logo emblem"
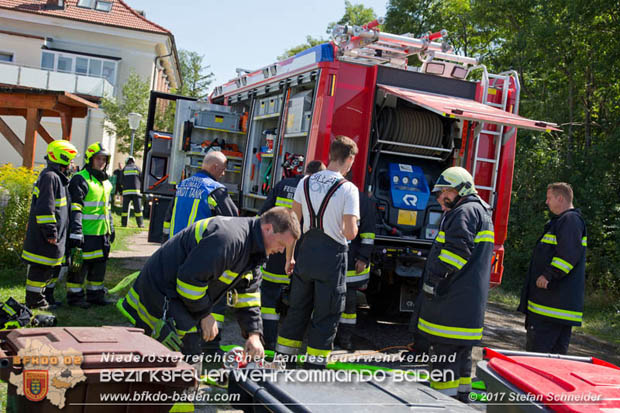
36 384
410 200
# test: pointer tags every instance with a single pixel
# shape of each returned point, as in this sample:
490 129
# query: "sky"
246 34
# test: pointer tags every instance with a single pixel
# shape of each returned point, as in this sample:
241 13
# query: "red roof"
121 14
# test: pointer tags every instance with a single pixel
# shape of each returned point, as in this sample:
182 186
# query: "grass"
601 315
13 281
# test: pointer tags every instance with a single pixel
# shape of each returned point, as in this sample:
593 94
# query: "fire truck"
409 122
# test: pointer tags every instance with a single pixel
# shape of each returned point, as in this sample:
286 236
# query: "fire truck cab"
410 123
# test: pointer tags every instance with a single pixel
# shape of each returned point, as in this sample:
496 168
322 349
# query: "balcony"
12 74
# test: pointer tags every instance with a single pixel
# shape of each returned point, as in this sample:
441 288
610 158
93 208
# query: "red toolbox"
534 382
72 369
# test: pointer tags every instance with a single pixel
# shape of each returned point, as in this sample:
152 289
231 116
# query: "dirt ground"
503 329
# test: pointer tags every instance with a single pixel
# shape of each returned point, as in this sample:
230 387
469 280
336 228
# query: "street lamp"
134 123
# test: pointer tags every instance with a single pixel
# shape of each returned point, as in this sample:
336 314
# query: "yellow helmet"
96 149
61 152
457 178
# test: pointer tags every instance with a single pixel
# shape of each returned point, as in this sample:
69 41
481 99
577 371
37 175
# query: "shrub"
15 198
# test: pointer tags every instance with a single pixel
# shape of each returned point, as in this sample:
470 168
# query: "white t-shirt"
345 201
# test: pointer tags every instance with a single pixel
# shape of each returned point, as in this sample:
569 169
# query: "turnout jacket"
131 178
49 218
461 257
361 247
559 256
199 266
281 195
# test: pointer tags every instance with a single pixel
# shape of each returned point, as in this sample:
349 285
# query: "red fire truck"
409 122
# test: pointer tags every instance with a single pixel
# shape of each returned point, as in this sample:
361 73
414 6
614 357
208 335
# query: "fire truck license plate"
407 217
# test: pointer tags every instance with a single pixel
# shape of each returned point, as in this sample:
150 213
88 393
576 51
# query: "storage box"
298 105
217 120
72 369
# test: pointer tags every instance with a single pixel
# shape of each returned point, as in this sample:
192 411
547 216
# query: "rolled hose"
410 126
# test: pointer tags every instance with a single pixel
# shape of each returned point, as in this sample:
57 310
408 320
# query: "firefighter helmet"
96 149
457 178
61 152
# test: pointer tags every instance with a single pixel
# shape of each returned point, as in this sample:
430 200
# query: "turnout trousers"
40 283
95 253
317 297
546 336
270 295
137 209
454 362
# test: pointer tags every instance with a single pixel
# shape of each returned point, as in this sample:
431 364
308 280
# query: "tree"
354 14
135 98
196 80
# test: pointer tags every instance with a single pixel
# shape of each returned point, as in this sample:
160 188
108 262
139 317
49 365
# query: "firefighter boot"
343 337
75 299
49 297
139 220
124 219
97 297
36 300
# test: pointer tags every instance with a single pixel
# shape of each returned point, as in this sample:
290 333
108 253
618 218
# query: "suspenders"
316 219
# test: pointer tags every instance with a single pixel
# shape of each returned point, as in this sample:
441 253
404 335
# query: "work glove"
166 333
433 285
76 241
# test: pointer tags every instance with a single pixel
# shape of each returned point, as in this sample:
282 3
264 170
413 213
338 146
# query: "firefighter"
358 269
91 228
202 196
131 182
456 281
329 205
553 294
48 223
275 280
202 265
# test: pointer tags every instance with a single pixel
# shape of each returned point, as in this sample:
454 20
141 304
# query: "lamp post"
134 123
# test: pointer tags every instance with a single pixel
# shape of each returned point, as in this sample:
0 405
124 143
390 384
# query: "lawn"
13 280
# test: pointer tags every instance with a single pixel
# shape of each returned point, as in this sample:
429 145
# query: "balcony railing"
12 74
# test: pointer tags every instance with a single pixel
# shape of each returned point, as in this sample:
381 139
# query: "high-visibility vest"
96 210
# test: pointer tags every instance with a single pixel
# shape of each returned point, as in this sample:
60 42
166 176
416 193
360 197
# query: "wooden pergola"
34 104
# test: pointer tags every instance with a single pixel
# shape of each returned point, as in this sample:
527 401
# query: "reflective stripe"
133 300
75 206
352 276
317 356
485 236
36 191
452 259
46 219
74 287
367 235
131 192
192 215
275 278
549 239
166 224
182 333
35 286
123 214
211 201
450 332
138 214
189 291
94 285
441 237
348 318
91 255
368 241
449 388
51 283
60 202
218 317
93 204
284 202
228 277
269 313
248 300
174 212
131 172
554 312
584 241
560 264
89 217
40 259
166 231
464 384
76 236
201 226
287 346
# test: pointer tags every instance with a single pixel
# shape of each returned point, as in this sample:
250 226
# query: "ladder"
498 134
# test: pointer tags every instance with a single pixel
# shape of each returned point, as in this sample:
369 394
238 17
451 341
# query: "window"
104 6
100 5
79 64
86 3
6 57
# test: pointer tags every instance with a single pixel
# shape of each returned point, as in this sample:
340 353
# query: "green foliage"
354 14
135 98
15 196
195 81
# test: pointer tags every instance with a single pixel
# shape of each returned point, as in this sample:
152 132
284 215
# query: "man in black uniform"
275 280
46 235
553 294
202 265
131 183
329 205
456 281
358 269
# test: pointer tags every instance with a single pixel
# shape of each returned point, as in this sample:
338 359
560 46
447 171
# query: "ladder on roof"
494 82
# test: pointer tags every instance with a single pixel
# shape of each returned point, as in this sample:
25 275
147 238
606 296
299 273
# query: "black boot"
36 300
77 300
343 339
49 297
98 298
